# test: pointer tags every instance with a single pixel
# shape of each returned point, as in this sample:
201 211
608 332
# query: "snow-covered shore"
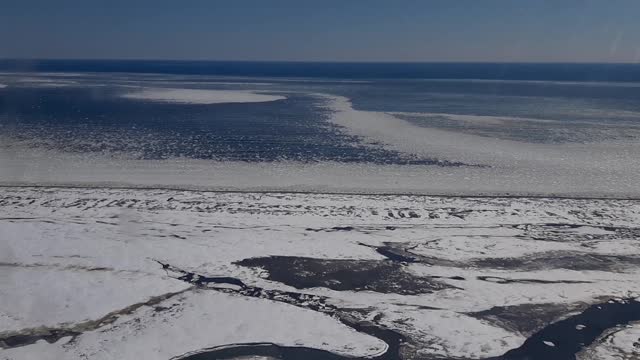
83 269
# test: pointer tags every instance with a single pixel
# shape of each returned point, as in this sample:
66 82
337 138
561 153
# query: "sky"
324 30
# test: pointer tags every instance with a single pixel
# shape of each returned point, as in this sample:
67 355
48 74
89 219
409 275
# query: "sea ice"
200 96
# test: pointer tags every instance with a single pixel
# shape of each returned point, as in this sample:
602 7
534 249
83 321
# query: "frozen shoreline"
302 191
42 169
22 165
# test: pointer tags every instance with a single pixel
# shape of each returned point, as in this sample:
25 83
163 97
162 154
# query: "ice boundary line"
320 192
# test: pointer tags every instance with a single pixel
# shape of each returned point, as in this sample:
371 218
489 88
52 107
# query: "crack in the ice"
502 280
349 317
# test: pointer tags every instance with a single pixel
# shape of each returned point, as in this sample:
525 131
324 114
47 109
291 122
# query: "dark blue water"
84 118
77 120
80 108
494 71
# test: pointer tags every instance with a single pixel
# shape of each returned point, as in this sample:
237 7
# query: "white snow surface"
55 296
200 96
70 255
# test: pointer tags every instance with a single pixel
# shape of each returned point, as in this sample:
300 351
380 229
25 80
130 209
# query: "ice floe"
200 96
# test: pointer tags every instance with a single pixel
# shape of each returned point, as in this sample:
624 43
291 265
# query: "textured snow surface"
202 319
620 344
70 256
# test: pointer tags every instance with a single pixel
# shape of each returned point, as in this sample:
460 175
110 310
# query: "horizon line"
17 59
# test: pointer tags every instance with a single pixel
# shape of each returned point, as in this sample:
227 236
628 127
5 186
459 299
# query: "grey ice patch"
341 275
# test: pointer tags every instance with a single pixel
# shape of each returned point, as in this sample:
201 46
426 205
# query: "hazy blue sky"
340 30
